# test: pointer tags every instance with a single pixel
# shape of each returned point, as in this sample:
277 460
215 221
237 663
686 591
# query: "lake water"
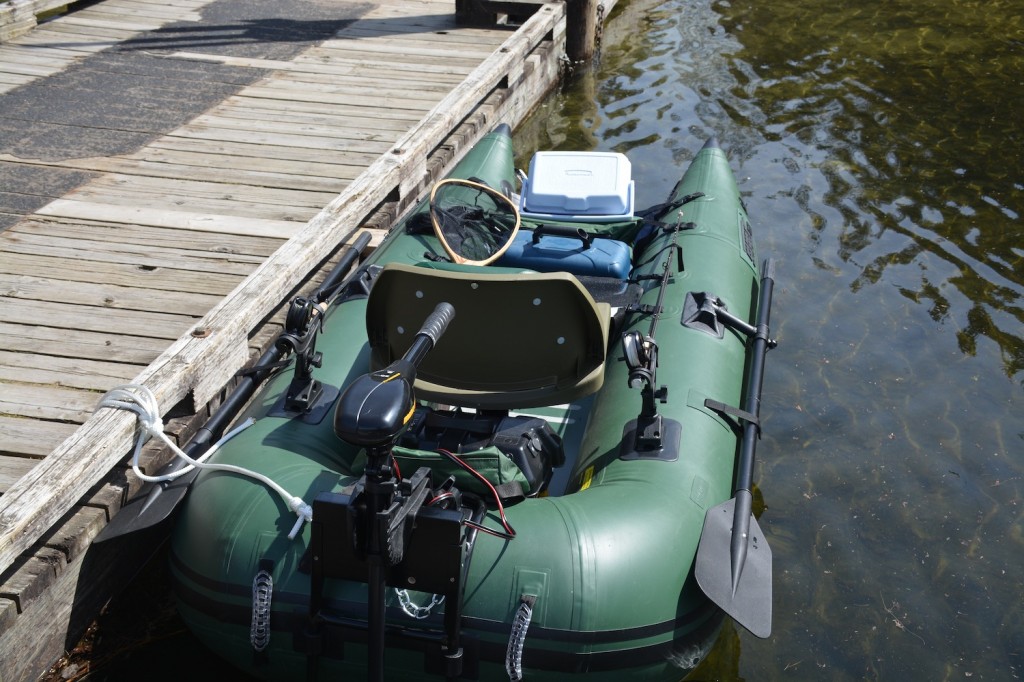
878 147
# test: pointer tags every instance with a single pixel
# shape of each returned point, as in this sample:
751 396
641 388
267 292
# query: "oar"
734 561
156 502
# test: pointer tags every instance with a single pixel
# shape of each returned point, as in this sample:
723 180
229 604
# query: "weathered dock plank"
143 323
93 375
178 219
311 174
283 105
111 345
116 11
13 468
123 274
98 297
47 402
112 21
118 188
226 245
80 253
182 256
73 37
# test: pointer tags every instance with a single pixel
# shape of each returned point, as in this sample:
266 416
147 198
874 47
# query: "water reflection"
877 147
903 109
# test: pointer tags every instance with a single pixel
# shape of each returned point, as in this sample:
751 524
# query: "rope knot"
152 424
303 511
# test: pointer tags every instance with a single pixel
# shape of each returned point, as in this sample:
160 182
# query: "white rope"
140 400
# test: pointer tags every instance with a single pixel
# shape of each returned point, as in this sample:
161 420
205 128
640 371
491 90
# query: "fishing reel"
302 324
642 360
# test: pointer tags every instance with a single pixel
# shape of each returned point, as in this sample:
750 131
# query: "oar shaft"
338 275
752 403
740 534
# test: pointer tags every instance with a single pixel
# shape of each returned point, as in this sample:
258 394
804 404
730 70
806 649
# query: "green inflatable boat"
515 442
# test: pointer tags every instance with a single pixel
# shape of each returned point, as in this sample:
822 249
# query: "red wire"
439 498
497 498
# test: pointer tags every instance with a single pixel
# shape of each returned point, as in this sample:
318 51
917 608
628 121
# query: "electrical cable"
510 532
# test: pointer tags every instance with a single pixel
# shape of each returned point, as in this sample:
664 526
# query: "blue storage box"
603 258
578 186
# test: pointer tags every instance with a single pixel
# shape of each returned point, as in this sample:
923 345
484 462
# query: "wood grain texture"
218 218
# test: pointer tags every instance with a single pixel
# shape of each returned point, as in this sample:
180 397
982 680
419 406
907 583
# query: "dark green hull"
609 552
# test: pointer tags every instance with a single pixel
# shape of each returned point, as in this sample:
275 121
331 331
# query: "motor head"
375 408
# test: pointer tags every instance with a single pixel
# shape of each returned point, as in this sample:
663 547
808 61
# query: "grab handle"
562 231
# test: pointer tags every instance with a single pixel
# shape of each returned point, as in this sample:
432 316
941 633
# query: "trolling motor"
368 534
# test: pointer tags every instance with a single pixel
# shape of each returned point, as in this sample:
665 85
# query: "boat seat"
517 339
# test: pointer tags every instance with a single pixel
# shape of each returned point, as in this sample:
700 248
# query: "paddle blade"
149 508
750 604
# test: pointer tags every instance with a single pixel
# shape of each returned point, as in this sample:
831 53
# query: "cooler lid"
579 184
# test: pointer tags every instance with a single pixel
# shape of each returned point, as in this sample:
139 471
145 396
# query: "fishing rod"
641 352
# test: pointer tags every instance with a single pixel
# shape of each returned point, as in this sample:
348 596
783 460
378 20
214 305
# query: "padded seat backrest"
517 339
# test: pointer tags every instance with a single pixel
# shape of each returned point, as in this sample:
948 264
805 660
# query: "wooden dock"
170 173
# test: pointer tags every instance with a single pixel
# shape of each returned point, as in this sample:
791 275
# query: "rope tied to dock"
140 400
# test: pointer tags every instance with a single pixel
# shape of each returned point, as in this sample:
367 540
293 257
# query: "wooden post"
474 13
581 29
